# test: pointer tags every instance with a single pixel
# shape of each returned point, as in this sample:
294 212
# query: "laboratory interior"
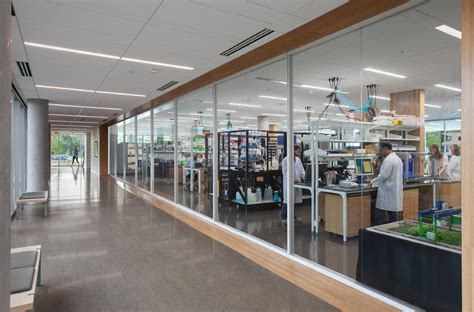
376 134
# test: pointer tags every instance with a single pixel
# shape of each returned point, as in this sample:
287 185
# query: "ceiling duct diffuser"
24 68
239 46
167 85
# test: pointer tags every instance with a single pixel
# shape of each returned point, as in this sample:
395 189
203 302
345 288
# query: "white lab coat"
299 174
390 184
454 168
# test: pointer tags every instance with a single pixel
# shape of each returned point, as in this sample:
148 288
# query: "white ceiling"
189 33
406 44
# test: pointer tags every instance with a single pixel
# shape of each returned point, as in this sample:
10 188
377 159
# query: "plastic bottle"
259 195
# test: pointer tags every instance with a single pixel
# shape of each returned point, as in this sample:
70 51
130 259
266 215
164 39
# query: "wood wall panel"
103 150
467 159
347 15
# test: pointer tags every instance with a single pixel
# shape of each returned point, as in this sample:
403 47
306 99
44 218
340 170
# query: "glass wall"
18 149
195 126
252 147
67 148
113 136
375 131
163 150
120 159
144 150
130 151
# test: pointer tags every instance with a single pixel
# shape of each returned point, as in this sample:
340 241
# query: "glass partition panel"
144 150
113 134
121 160
163 150
328 128
195 126
252 146
130 151
386 153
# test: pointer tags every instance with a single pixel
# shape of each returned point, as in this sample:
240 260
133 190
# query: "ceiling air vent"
24 68
239 46
167 85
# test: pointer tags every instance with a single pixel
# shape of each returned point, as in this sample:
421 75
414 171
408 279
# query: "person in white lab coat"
298 176
438 163
454 165
389 185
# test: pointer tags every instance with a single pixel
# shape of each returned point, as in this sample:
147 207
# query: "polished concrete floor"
106 250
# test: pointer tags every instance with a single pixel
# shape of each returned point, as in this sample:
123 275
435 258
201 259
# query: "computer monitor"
364 167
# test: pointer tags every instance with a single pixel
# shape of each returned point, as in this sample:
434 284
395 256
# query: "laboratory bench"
346 210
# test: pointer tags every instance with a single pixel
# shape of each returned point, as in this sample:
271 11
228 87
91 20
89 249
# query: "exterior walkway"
105 249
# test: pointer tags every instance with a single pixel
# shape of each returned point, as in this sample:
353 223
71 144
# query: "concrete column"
5 151
37 159
263 122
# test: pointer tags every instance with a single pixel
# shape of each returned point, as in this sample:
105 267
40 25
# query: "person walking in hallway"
75 155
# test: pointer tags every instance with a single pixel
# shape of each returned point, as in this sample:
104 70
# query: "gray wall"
5 152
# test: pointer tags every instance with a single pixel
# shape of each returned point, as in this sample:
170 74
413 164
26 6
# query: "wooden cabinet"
450 193
358 213
410 204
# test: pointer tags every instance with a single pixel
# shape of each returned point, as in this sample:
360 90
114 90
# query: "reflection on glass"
252 144
120 150
130 151
195 120
144 150
163 149
113 150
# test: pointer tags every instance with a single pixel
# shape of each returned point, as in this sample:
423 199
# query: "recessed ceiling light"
251 118
32 44
51 47
81 106
79 116
245 105
272 97
156 63
276 115
73 121
447 87
432 105
119 93
450 31
382 72
380 97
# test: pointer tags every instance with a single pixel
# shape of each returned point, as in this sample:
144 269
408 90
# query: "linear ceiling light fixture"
222 110
80 116
380 97
82 106
77 126
447 87
272 97
89 91
304 111
250 118
271 114
245 105
432 105
114 57
382 72
319 88
73 121
450 31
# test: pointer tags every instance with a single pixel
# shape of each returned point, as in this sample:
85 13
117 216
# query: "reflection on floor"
265 223
106 250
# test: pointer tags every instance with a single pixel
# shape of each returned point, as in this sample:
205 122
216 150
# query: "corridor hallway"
105 249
